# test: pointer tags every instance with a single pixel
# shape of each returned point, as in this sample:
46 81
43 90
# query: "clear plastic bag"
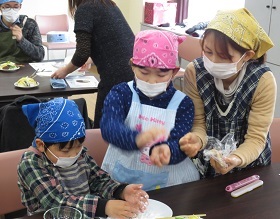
217 149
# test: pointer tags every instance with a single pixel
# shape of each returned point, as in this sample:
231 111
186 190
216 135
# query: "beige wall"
133 12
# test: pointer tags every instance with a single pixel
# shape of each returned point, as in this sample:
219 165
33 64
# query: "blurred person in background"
20 38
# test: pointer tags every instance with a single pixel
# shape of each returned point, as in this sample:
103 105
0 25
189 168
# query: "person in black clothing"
103 34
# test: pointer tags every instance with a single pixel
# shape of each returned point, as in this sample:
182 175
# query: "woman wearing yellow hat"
233 92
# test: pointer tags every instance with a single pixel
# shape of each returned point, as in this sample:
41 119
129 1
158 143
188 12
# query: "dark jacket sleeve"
31 43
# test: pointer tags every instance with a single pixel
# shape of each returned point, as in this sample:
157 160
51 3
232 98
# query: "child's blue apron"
134 166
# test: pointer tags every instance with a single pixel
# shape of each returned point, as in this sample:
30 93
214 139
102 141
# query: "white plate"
16 84
1 69
155 209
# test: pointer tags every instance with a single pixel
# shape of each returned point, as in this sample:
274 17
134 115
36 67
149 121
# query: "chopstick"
33 75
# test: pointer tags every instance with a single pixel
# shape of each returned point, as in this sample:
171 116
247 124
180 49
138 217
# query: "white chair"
189 50
49 23
274 132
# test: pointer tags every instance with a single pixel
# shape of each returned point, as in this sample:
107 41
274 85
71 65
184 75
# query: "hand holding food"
26 82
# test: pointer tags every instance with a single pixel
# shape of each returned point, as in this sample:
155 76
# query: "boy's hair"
63 144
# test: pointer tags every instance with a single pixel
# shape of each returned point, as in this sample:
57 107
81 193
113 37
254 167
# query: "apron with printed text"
134 166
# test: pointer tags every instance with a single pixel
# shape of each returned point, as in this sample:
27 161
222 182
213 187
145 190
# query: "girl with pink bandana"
144 119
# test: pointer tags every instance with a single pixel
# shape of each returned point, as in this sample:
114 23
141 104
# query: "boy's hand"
134 194
160 155
232 161
190 144
148 137
121 209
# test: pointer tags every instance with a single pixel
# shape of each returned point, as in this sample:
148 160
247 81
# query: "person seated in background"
234 91
20 38
144 119
57 171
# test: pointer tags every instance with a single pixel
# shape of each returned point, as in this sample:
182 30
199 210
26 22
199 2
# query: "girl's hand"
232 161
134 194
121 209
150 136
160 155
190 144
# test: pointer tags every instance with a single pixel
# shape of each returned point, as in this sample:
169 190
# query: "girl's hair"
74 4
139 66
63 144
221 45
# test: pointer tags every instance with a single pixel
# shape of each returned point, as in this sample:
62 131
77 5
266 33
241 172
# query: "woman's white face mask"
221 70
64 162
151 90
10 15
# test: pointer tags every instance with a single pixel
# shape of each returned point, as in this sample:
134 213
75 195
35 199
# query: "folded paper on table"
58 83
85 81
44 66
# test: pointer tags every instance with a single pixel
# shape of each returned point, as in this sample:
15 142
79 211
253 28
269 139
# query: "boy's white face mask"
64 162
151 90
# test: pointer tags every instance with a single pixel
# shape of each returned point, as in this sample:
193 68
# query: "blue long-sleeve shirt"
116 108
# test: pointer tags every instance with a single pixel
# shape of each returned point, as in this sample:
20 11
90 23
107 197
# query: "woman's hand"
121 209
232 161
190 144
86 66
134 194
160 155
60 73
64 71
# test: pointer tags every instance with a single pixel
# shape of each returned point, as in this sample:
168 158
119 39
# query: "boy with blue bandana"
57 171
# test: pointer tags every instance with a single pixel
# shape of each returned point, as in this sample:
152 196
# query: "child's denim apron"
134 166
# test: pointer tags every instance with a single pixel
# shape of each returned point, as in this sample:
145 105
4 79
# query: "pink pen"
242 183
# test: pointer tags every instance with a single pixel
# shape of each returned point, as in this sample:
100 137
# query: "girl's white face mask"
10 15
151 90
221 70
64 162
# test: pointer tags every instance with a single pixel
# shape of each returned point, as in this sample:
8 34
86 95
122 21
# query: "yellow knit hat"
242 28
